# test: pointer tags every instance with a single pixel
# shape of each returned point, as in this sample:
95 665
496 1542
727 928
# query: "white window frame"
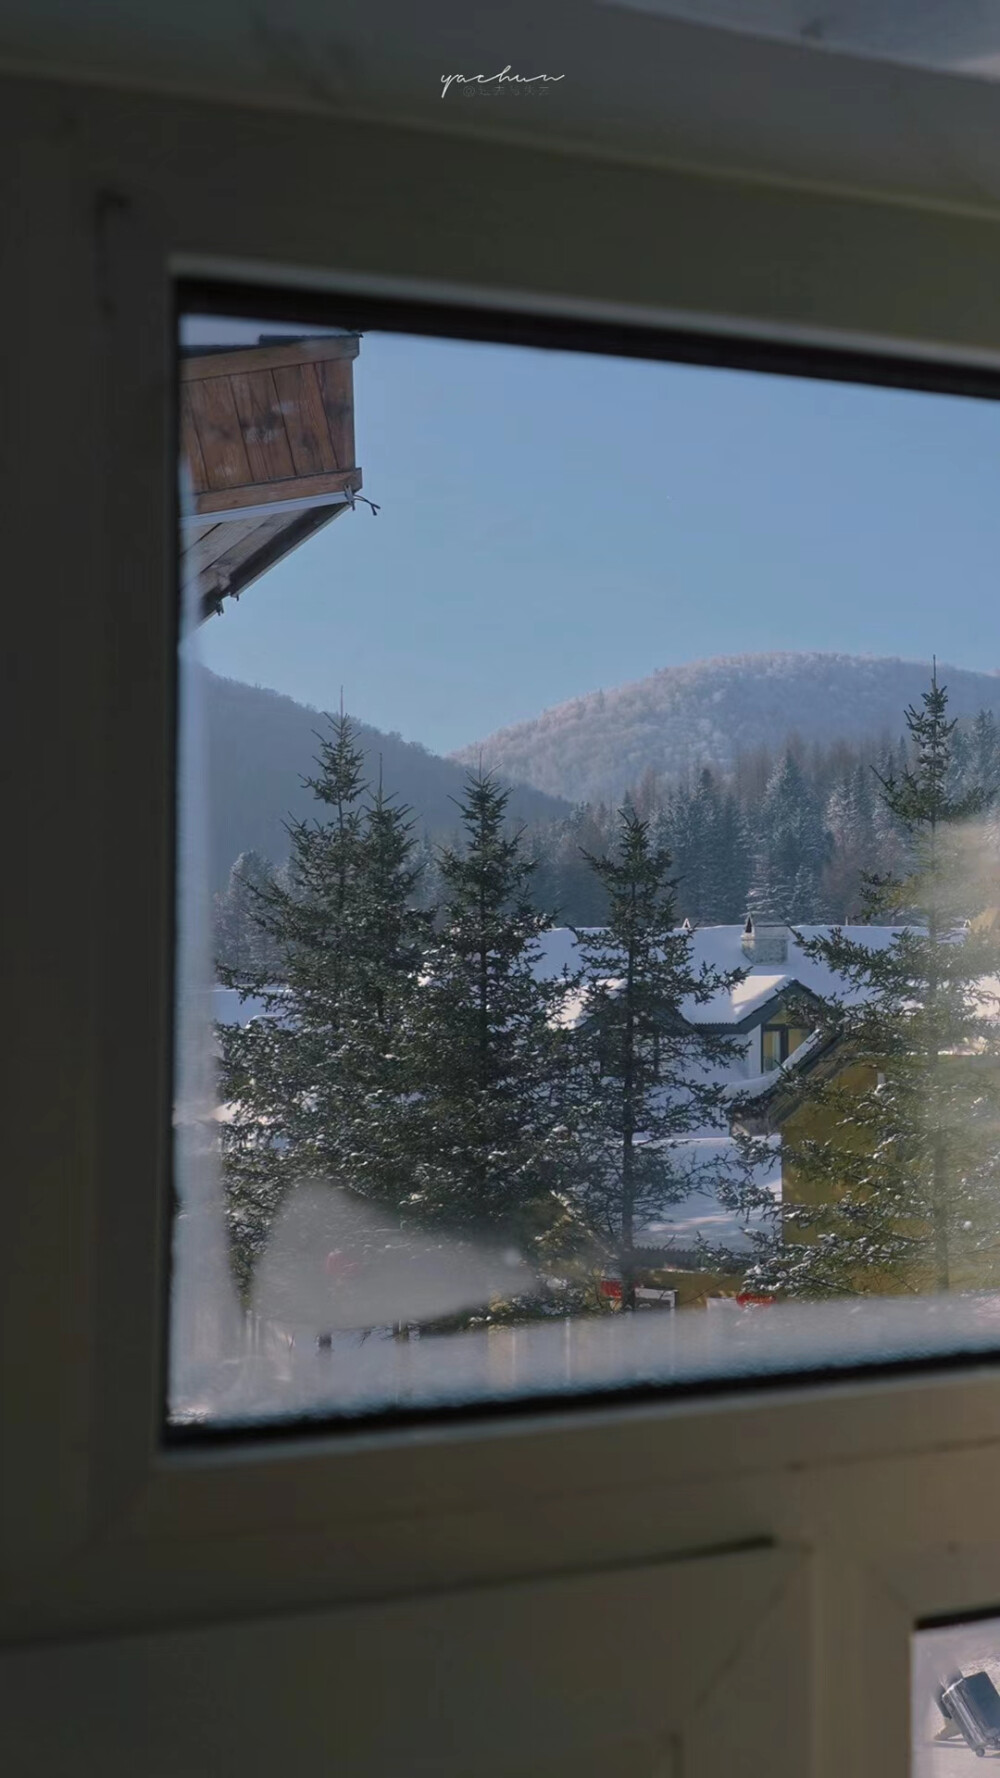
847 1511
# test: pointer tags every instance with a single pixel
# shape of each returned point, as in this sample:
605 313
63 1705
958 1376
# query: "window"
509 1004
674 1581
779 1042
956 1705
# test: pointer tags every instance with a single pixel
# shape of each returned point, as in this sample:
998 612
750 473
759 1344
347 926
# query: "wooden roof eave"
267 435
268 549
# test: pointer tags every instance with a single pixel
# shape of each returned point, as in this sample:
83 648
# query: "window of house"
778 1042
488 855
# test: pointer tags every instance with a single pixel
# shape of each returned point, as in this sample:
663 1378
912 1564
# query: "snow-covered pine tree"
850 823
305 1081
704 832
561 881
427 889
728 863
391 937
240 943
791 847
976 772
975 758
489 1146
897 1187
644 1077
960 771
984 757
681 832
892 858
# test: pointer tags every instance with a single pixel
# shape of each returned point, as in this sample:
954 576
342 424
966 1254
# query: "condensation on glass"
589 874
955 1697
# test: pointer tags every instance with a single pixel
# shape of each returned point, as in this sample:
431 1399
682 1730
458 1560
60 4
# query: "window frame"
525 328
888 1482
782 1029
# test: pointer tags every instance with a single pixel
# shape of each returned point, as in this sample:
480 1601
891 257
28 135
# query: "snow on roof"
752 1086
720 948
229 1009
747 996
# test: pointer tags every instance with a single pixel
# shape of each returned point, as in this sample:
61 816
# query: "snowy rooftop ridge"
720 948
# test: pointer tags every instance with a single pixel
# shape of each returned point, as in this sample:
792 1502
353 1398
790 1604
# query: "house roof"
267 440
720 948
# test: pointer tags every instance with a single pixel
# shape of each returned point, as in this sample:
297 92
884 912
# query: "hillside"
261 744
593 747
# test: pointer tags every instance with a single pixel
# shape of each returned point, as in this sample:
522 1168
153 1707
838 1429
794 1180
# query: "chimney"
765 941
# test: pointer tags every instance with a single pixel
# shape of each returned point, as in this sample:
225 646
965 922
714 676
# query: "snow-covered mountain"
705 713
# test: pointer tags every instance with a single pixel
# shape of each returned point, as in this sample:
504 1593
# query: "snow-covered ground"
712 1162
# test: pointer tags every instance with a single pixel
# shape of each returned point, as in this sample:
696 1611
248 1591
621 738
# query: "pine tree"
791 847
984 757
314 1086
703 830
561 882
681 832
489 1148
240 943
892 854
727 862
900 1192
850 823
644 1077
391 938
961 771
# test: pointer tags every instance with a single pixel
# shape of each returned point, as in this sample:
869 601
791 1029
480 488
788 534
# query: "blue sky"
552 523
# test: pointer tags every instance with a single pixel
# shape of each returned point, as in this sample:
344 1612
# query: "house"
769 1011
696 1245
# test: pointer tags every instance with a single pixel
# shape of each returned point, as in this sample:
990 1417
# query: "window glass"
955 1697
589 893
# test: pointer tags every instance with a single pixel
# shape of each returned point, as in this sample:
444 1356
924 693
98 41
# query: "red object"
610 1288
337 1265
747 1300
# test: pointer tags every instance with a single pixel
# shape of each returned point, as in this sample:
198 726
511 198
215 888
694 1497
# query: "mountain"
261 744
594 747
